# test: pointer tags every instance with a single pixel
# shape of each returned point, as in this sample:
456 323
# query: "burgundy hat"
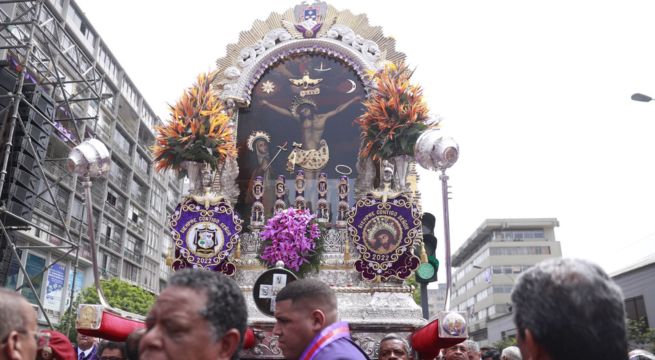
57 347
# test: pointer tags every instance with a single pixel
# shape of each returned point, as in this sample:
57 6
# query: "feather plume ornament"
395 114
198 130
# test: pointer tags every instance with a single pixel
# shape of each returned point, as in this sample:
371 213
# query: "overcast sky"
537 94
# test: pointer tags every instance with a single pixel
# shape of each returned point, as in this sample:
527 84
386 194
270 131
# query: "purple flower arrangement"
293 237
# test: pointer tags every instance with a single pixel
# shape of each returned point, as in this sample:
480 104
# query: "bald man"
307 327
18 328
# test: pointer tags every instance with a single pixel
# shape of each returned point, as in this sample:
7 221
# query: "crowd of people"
563 309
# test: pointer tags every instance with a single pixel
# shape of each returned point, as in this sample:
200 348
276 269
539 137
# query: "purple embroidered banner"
204 237
384 234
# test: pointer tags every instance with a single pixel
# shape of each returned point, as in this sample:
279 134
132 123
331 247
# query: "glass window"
157 201
34 267
525 250
130 272
150 279
635 309
121 142
14 270
141 163
152 245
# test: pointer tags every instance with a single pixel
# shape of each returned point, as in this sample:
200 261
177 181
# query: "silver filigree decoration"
232 73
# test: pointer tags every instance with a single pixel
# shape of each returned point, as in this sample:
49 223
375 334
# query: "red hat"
57 347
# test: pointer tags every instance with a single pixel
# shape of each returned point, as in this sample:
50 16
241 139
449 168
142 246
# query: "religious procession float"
300 151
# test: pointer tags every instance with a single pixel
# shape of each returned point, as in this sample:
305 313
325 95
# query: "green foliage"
506 342
416 292
122 295
67 322
119 294
640 336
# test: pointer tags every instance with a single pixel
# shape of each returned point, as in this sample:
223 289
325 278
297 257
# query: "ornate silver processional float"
300 151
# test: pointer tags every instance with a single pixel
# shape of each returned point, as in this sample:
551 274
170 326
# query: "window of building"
130 94
141 163
130 272
117 173
518 235
524 250
117 203
121 142
635 309
152 245
150 279
502 289
136 217
157 201
111 198
34 267
139 193
109 264
481 295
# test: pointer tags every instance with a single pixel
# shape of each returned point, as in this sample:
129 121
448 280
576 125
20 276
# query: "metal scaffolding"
37 47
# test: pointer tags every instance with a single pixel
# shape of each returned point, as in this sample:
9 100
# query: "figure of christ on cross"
303 110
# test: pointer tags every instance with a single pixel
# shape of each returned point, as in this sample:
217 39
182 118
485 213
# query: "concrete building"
636 282
488 263
89 95
437 300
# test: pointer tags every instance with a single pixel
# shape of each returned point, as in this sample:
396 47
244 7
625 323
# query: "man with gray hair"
511 353
393 347
569 309
18 328
472 350
201 315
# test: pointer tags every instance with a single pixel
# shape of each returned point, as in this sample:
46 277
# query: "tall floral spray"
395 114
198 130
293 237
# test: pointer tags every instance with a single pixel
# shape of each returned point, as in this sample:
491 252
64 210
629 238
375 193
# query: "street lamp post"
436 152
641 97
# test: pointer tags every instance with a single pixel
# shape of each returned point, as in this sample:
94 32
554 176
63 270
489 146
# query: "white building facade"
489 262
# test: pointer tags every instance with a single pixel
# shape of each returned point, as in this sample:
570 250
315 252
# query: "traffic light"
427 271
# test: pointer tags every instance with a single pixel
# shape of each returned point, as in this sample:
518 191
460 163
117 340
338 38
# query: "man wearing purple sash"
307 327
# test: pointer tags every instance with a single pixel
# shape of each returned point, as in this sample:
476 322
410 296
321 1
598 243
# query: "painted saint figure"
257 212
280 194
322 213
342 206
300 202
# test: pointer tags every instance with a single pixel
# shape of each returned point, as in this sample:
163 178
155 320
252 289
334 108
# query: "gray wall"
640 282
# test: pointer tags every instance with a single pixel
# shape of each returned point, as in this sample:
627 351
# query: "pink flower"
291 238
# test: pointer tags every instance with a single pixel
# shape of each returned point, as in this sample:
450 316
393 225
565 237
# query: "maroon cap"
57 347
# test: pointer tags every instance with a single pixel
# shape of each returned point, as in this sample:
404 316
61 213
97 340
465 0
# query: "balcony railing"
85 250
58 171
112 244
104 133
45 207
137 228
108 272
133 256
120 181
118 150
117 213
141 199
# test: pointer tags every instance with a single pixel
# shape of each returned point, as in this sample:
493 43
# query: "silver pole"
446 228
86 181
